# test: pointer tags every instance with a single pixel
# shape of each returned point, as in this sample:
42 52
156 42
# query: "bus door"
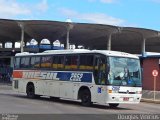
100 78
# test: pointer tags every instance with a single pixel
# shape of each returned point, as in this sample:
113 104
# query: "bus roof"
74 51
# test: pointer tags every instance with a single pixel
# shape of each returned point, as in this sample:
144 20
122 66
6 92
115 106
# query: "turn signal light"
109 91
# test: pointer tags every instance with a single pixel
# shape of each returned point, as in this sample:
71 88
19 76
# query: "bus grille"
127 93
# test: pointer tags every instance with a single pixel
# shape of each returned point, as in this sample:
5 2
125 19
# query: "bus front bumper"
124 98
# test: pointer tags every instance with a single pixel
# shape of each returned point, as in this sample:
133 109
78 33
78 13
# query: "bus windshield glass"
124 72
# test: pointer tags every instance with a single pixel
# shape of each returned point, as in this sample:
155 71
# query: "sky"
125 13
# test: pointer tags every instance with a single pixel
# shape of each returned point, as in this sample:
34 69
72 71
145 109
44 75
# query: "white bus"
92 76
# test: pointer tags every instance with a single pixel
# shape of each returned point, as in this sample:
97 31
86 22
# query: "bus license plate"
126 99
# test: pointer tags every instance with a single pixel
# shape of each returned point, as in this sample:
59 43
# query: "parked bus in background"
92 76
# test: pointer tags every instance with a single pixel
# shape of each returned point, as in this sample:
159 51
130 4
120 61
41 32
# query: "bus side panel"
39 86
53 87
63 89
66 89
93 90
98 93
76 87
19 85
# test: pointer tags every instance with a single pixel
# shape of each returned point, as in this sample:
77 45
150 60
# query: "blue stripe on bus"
76 77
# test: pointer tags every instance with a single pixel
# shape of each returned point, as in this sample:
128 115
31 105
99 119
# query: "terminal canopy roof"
92 36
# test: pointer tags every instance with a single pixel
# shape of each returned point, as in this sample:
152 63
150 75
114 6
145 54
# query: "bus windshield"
124 72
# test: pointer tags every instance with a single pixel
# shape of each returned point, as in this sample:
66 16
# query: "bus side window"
89 60
82 62
71 62
32 62
35 62
74 62
60 62
86 62
55 61
68 62
17 62
25 62
46 62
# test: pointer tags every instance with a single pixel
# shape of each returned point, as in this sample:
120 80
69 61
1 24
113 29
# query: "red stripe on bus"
17 74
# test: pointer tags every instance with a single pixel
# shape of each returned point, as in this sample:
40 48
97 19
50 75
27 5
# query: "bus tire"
31 91
113 105
86 98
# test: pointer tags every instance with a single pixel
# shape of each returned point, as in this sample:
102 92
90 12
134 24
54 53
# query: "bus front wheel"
113 105
86 97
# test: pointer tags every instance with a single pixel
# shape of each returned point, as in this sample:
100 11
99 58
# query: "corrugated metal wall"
149 64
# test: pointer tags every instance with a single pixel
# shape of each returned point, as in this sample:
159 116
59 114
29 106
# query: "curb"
150 101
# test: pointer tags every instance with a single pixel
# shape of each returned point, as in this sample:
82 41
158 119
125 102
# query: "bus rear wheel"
113 105
86 98
30 91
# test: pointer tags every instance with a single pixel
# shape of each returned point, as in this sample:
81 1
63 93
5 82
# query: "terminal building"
89 36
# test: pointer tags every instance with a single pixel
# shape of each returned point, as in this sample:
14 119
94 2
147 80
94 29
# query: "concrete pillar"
13 44
67 39
109 42
69 27
143 46
22 36
3 44
65 43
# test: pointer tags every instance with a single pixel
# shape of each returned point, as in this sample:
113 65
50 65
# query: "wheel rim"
85 98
